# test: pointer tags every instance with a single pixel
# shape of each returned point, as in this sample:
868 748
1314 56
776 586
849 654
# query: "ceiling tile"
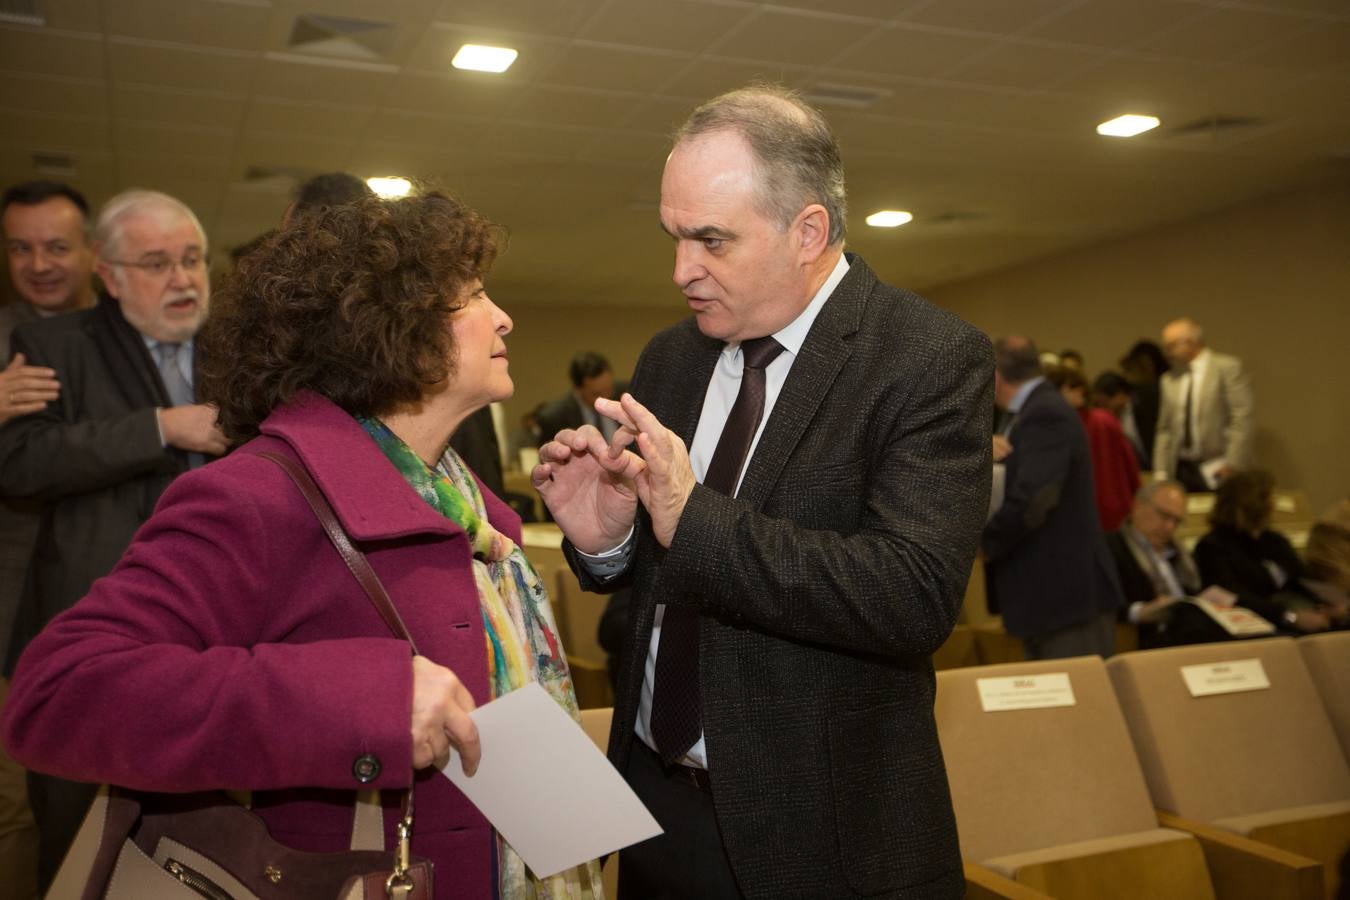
280 117
881 10
325 83
776 36
306 154
66 96
1225 35
178 107
705 78
198 69
1318 46
238 26
451 96
145 140
1020 65
525 16
597 67
83 137
1115 23
560 106
688 25
37 52
912 52
983 16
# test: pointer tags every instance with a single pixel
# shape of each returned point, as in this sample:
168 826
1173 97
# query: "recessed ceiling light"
389 188
478 58
1127 125
888 218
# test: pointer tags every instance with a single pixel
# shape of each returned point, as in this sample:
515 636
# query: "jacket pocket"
892 808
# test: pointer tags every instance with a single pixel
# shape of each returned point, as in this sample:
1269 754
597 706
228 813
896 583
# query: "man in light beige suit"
1205 421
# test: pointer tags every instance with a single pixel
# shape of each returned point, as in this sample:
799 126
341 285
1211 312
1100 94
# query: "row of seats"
1123 784
1142 789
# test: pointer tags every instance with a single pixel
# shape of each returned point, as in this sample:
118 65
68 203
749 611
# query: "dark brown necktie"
677 713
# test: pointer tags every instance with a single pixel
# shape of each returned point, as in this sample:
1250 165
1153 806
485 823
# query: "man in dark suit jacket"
97 458
1050 571
1155 572
794 614
592 378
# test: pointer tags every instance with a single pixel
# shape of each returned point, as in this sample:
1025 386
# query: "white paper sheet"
548 790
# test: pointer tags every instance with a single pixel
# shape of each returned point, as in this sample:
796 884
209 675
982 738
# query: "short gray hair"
1150 489
108 231
796 156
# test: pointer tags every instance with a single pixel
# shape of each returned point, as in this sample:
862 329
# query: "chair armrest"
1243 869
986 884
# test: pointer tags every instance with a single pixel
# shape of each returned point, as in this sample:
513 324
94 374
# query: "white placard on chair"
1229 677
1025 692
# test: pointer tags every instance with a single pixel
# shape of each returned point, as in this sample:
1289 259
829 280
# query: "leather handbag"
147 846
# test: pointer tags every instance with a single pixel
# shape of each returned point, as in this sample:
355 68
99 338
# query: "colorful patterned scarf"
522 638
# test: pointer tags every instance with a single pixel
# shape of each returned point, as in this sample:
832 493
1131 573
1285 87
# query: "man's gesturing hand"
666 480
588 487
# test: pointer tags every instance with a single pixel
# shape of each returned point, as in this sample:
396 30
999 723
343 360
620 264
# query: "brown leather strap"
356 560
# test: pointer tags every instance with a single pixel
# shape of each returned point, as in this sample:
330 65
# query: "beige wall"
1270 283
545 338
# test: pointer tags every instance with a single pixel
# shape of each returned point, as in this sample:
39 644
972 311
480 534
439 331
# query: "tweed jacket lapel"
823 356
679 408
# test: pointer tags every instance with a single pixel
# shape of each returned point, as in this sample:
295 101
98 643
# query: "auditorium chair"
1259 759
1051 801
1327 657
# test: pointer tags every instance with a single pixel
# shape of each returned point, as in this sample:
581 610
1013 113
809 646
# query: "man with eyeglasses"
1154 571
124 426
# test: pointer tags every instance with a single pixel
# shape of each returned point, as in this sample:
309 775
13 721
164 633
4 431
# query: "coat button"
366 768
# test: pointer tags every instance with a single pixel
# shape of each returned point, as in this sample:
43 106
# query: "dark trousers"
59 807
1191 478
1095 637
688 861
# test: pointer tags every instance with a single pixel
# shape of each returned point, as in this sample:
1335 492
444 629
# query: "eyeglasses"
160 265
1173 518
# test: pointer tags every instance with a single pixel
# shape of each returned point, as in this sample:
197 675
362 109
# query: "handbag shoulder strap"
356 560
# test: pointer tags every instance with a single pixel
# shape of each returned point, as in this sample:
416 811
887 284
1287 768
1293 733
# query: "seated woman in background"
1115 468
232 649
1240 553
1327 562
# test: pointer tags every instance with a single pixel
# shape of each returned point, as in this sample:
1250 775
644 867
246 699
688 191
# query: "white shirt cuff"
613 562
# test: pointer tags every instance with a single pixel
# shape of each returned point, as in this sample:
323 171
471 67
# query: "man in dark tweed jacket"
795 611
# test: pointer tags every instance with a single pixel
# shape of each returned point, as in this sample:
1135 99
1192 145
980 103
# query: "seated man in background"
1154 571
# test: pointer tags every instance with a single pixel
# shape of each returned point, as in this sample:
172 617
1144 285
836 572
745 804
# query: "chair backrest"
1221 755
596 722
1327 657
1027 779
582 611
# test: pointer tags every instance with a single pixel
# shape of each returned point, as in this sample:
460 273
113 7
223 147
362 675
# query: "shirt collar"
1020 396
793 335
153 345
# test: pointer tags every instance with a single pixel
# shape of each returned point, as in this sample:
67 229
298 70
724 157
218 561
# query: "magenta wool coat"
232 648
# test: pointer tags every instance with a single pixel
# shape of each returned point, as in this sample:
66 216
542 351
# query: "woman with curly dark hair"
1241 553
232 647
